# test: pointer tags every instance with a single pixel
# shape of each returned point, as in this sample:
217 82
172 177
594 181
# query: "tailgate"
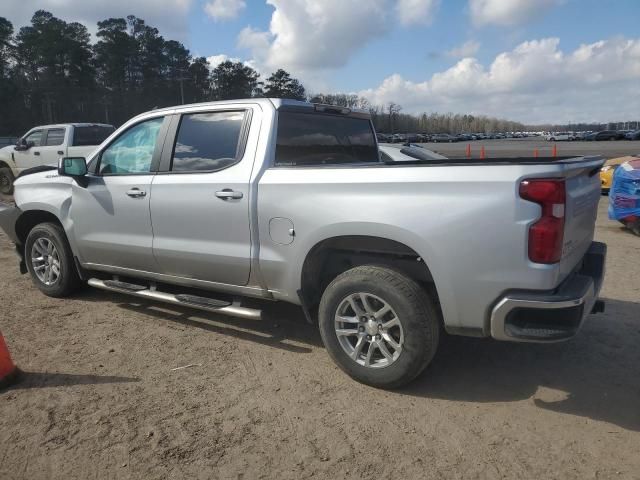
582 197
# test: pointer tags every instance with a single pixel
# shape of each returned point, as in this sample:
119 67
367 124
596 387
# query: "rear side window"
321 139
90 135
55 136
207 141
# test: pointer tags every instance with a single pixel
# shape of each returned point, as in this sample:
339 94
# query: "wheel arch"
31 218
332 256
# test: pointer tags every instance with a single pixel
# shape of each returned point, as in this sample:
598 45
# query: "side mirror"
21 145
72 167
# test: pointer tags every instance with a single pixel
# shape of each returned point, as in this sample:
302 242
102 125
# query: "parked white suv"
44 145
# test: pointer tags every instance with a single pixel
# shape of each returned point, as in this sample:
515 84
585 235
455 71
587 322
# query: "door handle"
36 153
136 193
228 194
60 152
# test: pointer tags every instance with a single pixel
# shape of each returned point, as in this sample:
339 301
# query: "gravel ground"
99 398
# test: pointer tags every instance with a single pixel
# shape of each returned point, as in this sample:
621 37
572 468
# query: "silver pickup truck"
212 204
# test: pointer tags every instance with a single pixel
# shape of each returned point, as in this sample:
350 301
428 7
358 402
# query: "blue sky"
530 60
418 51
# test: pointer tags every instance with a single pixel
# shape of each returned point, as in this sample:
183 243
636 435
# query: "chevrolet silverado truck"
214 205
45 145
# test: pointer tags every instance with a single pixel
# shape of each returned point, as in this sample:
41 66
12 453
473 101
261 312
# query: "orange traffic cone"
8 370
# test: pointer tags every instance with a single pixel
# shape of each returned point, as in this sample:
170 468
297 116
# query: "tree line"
50 72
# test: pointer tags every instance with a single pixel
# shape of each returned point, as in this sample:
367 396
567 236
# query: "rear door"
200 200
53 145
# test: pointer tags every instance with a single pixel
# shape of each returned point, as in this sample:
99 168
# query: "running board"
193 301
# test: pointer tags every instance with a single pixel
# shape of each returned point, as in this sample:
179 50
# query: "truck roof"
61 125
277 103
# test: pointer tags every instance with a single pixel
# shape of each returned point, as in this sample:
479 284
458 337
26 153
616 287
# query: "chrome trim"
248 291
233 310
508 303
596 253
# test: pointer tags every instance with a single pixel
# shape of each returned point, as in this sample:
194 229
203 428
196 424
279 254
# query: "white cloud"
535 82
467 49
254 40
413 12
309 35
224 9
215 60
153 12
508 12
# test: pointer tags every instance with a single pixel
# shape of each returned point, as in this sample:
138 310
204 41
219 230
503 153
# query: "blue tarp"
624 195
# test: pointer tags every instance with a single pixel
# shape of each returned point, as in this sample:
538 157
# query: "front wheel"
50 261
379 325
6 181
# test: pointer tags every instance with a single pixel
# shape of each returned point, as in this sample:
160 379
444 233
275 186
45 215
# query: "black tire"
415 309
68 280
634 227
6 181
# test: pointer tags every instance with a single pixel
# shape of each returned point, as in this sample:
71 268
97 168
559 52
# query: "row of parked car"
465 137
444 137
593 136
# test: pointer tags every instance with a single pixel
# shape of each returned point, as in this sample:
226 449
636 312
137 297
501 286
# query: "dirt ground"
99 397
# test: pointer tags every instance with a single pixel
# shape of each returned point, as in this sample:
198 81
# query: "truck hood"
44 174
38 169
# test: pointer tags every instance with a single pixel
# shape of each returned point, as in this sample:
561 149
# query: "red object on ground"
8 370
554 151
535 153
468 150
482 156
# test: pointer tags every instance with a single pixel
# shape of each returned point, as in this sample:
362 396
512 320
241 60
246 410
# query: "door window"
132 152
34 137
91 135
55 136
207 141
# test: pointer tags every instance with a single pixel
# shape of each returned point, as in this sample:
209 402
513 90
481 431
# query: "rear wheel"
379 326
50 261
6 181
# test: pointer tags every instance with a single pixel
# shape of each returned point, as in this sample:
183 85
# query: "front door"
200 203
111 222
31 156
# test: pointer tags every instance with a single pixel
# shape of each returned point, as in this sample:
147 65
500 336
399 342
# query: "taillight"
546 234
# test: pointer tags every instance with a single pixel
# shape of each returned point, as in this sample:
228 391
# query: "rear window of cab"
316 139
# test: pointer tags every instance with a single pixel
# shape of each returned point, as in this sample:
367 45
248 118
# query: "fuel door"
281 230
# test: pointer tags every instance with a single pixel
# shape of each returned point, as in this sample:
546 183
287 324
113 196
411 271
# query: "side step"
194 301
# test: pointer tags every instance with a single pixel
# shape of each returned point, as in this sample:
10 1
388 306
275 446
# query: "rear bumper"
551 316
